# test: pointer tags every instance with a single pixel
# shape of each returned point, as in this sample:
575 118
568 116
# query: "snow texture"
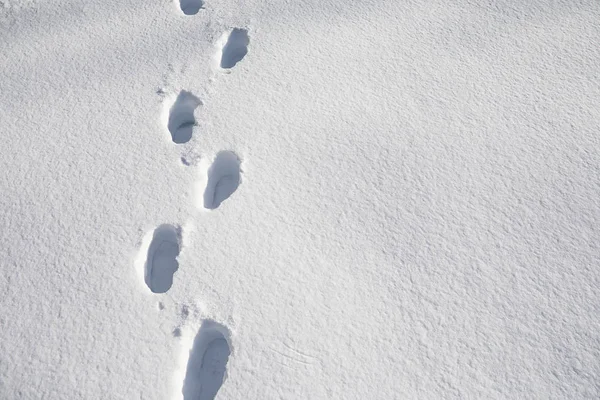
384 199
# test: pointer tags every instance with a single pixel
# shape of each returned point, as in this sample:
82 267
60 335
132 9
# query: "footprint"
235 49
181 117
161 261
206 367
190 7
223 179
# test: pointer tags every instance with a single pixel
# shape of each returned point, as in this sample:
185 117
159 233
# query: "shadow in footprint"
206 368
223 179
235 48
190 7
181 117
161 262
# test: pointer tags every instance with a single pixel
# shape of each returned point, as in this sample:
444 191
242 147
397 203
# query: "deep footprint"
181 117
190 7
235 49
207 365
161 262
223 179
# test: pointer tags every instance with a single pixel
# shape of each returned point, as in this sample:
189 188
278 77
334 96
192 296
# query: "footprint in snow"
190 7
206 368
235 48
161 261
181 117
224 177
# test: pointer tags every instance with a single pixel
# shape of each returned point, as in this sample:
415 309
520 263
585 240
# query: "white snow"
385 199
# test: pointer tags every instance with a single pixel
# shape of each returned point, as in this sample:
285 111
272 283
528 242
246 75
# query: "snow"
300 200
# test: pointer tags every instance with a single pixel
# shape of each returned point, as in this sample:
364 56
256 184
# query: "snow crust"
381 199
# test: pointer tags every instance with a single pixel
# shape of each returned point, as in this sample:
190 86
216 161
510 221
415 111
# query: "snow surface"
384 199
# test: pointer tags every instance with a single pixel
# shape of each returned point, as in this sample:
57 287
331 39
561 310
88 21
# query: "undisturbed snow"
385 199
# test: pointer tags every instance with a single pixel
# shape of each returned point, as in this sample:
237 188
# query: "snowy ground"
320 199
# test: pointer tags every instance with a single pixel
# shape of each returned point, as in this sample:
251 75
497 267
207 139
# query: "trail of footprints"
208 357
